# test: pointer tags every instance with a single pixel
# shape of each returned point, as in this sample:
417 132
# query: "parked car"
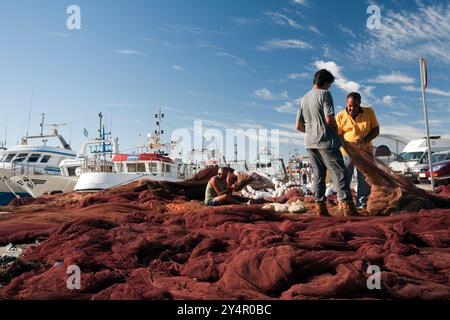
416 153
441 172
416 174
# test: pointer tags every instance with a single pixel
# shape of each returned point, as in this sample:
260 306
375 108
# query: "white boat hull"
96 181
8 190
37 185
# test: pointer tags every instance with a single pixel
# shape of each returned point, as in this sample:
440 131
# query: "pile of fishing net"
391 192
149 240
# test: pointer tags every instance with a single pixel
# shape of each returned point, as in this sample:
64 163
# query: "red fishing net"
150 240
391 192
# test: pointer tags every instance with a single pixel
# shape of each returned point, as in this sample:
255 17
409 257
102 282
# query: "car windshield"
439 157
411 156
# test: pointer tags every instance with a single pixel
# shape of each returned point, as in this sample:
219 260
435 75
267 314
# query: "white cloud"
266 94
130 52
178 67
327 51
56 34
236 60
239 21
394 77
284 95
400 129
315 30
283 20
347 30
297 76
287 107
437 92
220 52
399 114
302 2
198 31
388 100
407 35
276 44
341 81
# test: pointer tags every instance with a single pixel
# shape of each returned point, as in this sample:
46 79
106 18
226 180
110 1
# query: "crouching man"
219 190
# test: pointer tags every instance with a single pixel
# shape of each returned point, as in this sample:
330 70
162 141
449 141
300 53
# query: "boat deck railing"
19 168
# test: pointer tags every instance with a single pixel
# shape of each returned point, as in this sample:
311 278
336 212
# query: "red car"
441 172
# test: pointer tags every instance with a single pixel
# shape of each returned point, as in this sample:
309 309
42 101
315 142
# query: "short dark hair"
227 169
323 76
354 95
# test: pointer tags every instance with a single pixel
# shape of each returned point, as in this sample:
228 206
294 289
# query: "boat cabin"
146 163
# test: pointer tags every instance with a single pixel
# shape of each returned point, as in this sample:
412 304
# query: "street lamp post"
424 78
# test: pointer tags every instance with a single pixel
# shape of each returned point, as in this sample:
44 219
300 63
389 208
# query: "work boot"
321 209
348 209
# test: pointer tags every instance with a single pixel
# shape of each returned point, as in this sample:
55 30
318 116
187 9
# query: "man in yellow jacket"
358 125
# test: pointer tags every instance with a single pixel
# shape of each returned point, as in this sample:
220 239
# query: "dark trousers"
364 189
329 159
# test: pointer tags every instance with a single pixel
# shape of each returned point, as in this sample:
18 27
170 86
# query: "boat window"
269 165
131 167
45 159
34 157
141 167
9 157
167 167
21 157
152 167
72 171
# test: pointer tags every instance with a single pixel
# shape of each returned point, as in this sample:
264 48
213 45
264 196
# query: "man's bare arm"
372 135
216 188
332 122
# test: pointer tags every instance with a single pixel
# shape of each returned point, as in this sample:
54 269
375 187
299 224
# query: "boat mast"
155 142
159 116
42 124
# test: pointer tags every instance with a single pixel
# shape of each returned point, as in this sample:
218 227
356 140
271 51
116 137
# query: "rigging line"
29 112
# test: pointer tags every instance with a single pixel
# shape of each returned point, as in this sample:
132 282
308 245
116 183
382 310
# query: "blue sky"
233 64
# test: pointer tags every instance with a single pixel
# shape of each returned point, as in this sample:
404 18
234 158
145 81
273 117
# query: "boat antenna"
6 128
110 119
158 132
29 112
42 124
70 133
100 117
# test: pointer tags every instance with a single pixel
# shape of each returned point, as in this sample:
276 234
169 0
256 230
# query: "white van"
416 152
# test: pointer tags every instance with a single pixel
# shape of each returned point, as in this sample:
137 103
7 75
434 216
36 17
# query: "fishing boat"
206 157
150 161
95 156
269 165
37 160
